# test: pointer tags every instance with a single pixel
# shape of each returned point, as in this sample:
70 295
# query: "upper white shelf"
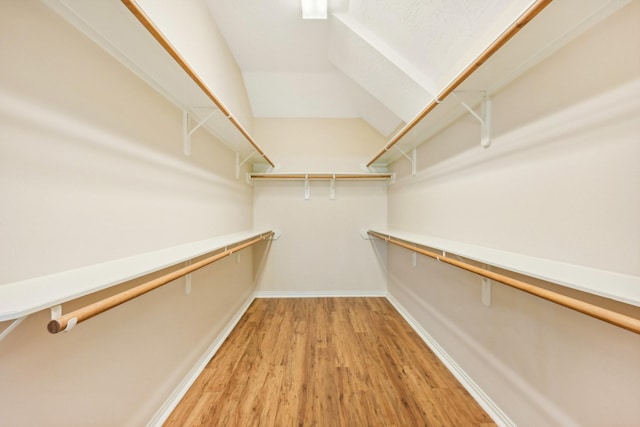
550 30
115 28
25 297
608 284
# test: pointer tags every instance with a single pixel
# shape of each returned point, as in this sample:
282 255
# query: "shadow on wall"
533 359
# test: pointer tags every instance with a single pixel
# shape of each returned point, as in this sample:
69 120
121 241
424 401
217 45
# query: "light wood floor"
326 362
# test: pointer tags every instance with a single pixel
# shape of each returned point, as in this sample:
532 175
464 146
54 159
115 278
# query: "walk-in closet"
320 213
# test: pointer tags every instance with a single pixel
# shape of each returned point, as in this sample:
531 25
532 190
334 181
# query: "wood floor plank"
326 362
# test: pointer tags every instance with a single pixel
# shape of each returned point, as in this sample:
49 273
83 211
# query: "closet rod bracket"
56 313
187 280
485 288
486 291
276 234
332 188
307 190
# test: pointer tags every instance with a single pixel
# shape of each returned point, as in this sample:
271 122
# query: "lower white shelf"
608 284
25 297
322 176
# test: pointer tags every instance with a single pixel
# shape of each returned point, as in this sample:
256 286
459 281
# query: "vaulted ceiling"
380 60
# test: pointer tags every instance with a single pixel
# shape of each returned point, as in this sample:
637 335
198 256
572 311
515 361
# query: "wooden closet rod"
155 32
87 312
629 323
321 176
523 20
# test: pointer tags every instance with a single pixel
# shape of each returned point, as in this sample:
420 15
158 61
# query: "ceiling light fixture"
314 9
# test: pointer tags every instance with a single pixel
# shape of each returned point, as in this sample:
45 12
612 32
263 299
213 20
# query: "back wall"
321 250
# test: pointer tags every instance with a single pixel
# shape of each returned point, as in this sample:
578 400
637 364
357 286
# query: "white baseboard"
498 416
170 404
319 294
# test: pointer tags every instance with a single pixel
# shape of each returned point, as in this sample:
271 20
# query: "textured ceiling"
431 35
381 60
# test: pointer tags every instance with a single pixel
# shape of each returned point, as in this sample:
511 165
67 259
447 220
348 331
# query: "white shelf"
114 28
558 24
25 297
608 284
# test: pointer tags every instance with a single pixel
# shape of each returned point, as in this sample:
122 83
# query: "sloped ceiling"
381 60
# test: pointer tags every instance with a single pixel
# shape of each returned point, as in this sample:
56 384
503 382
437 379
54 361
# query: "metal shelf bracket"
56 313
11 327
485 283
239 162
187 281
276 234
332 188
307 191
484 118
186 132
413 158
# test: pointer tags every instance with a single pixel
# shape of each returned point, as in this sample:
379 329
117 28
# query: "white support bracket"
56 313
307 191
486 289
11 327
187 281
413 158
186 132
239 162
484 118
374 168
276 234
332 188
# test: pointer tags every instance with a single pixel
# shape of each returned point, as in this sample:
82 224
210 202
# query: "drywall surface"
560 181
321 250
91 169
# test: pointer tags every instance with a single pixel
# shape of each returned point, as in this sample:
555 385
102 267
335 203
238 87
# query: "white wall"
91 169
321 250
560 181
